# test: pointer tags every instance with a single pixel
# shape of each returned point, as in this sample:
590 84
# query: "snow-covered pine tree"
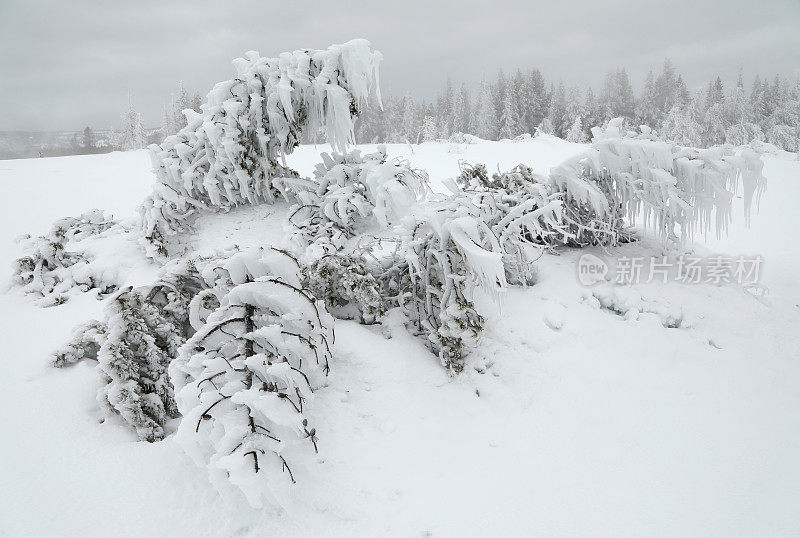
244 379
134 344
229 154
617 96
714 125
546 127
575 111
509 119
138 345
409 125
429 131
351 194
741 128
535 100
666 87
576 132
683 124
462 111
132 136
647 111
485 125
558 111
179 104
715 94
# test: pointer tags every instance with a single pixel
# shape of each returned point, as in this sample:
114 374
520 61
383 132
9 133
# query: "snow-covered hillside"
644 410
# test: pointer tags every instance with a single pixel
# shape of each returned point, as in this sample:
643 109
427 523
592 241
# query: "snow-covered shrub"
442 257
87 338
347 286
672 186
134 344
351 195
244 378
229 154
443 251
48 269
526 210
138 345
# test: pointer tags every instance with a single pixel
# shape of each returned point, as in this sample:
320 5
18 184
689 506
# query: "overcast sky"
65 65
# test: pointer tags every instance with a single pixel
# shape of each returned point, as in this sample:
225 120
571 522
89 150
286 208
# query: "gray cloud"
66 65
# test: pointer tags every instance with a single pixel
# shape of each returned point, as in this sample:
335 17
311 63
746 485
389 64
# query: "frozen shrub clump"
245 378
349 197
133 360
133 346
50 270
347 286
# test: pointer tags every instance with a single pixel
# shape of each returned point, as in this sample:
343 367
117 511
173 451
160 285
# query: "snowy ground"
587 424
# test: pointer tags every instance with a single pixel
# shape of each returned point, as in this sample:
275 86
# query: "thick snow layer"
587 420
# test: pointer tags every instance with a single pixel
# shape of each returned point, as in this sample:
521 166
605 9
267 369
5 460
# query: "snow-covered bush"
351 195
346 285
355 201
230 153
48 269
138 345
87 338
133 346
442 257
674 187
244 378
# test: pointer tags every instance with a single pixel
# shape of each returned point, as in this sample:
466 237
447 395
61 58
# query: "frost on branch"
232 152
244 378
49 270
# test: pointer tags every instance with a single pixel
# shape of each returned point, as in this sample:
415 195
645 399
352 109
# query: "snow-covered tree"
576 132
715 94
558 111
617 96
139 344
740 126
647 111
411 130
683 124
485 125
462 111
52 269
534 101
429 131
132 136
546 127
509 119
